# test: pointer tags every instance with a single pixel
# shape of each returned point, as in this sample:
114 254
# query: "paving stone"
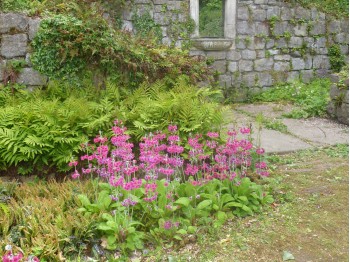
303 134
320 132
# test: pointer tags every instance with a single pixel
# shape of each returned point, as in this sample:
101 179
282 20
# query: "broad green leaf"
184 201
182 231
104 227
204 204
233 204
84 200
191 229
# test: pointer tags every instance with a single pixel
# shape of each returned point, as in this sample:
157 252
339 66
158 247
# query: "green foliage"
340 150
40 129
312 98
210 18
152 107
81 9
45 128
155 222
336 58
42 219
65 47
338 8
146 27
343 82
273 124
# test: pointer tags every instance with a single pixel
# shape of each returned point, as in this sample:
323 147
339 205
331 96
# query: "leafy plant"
210 18
153 107
146 27
311 98
336 58
67 47
202 179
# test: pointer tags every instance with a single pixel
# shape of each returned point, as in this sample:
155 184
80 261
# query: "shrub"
152 108
41 130
163 194
65 47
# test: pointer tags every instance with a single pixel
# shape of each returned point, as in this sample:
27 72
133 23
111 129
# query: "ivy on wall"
66 47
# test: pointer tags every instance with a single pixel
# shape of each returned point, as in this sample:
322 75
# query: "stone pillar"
194 10
230 19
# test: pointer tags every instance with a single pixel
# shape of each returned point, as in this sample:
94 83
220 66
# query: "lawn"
309 219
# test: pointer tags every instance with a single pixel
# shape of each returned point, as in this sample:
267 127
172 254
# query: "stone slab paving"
301 134
318 131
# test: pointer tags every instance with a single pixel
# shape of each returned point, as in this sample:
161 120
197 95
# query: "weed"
312 98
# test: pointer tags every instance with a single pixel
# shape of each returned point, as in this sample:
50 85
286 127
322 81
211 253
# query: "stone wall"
16 32
339 105
275 41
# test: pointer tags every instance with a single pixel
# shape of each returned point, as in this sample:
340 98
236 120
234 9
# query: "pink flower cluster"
10 257
161 156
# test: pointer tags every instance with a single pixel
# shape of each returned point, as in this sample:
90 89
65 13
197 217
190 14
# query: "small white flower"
8 247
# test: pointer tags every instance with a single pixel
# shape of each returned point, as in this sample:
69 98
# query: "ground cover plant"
312 98
305 220
162 197
41 130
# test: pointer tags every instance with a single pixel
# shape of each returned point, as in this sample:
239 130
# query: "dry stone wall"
339 105
16 32
275 41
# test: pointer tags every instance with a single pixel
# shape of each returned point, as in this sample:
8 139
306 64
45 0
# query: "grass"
311 98
309 218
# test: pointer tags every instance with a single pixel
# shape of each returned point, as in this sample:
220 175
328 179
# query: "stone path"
295 134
